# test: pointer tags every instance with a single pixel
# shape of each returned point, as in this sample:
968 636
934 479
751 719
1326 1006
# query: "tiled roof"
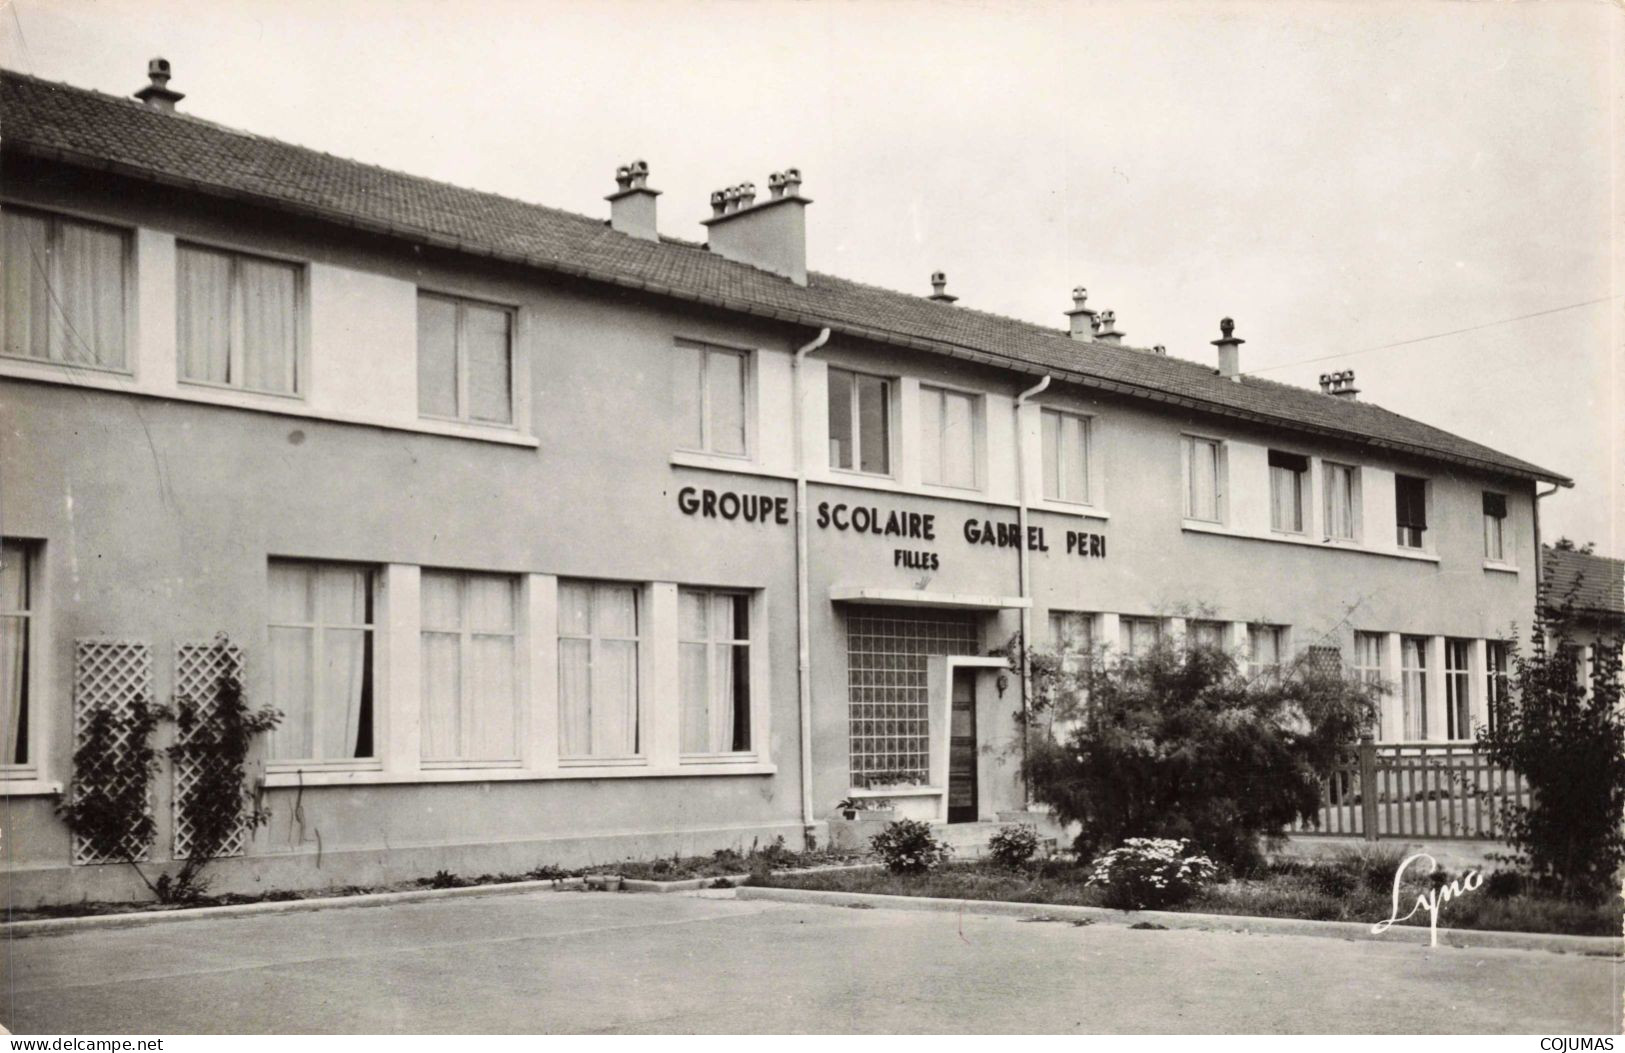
1597 583
86 128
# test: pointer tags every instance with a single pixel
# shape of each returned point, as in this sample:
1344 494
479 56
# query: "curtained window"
1457 690
1137 636
1265 646
1288 475
1496 681
468 660
598 669
65 289
1410 510
859 422
1205 634
465 360
16 619
950 443
1065 456
321 653
1202 479
1413 685
1342 508
714 671
1495 526
709 392
237 320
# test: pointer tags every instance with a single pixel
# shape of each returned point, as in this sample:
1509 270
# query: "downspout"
803 604
1540 554
1023 562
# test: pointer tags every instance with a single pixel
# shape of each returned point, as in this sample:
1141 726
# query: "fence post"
1368 787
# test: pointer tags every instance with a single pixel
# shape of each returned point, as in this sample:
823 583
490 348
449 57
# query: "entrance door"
962 796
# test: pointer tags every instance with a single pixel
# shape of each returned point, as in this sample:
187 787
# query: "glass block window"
889 703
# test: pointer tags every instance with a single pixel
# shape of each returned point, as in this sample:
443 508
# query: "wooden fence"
1414 790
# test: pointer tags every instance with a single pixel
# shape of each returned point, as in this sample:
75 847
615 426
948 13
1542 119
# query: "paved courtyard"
589 962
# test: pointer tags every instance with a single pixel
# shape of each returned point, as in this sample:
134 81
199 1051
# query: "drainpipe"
803 604
1540 556
1023 561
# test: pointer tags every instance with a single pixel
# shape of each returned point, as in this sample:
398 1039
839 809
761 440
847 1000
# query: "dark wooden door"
962 797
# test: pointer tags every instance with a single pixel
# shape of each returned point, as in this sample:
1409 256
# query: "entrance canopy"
895 597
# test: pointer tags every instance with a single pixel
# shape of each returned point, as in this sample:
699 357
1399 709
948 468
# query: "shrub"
1503 884
1335 881
1151 872
1012 846
1566 737
1177 744
907 846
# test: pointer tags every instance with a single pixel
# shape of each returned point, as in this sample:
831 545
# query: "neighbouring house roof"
1596 583
97 131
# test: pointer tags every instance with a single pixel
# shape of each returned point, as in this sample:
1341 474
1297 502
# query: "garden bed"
1354 888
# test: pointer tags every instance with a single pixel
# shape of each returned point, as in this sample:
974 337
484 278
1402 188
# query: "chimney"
1159 349
632 206
1109 333
1340 385
1081 315
939 288
158 95
1229 350
771 235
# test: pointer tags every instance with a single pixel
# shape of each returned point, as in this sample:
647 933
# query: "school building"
567 538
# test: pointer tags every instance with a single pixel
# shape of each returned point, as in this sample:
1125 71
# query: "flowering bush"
907 847
1151 872
1013 845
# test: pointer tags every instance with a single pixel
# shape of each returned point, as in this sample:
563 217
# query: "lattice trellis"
198 669
114 675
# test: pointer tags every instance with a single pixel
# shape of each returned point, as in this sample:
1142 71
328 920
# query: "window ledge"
717 463
284 780
1199 526
1067 509
276 405
1503 568
29 788
896 791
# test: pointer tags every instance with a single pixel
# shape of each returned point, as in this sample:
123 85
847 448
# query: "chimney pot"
157 94
1229 350
1082 323
939 288
632 206
1160 349
1340 385
1108 332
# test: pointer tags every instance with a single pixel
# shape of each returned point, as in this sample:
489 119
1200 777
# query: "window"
65 289
1457 690
859 422
710 397
950 449
1289 474
1342 502
1368 656
1413 684
321 637
1495 526
1205 634
468 660
713 633
237 320
1202 489
16 649
1496 680
465 360
1410 509
1072 632
1137 636
598 669
1066 456
1265 646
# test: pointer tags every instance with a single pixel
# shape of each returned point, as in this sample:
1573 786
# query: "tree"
1564 544
1178 744
1564 733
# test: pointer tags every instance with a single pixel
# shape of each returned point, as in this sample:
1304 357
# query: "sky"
1339 177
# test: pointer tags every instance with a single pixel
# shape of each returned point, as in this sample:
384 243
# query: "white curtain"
14 603
1413 688
931 436
687 366
490 375
1075 458
440 602
267 292
27 262
322 702
615 672
203 281
693 672
1286 510
344 653
841 424
291 656
723 688
725 381
1051 429
437 357
874 428
1202 459
489 729
89 284
959 440
1340 502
